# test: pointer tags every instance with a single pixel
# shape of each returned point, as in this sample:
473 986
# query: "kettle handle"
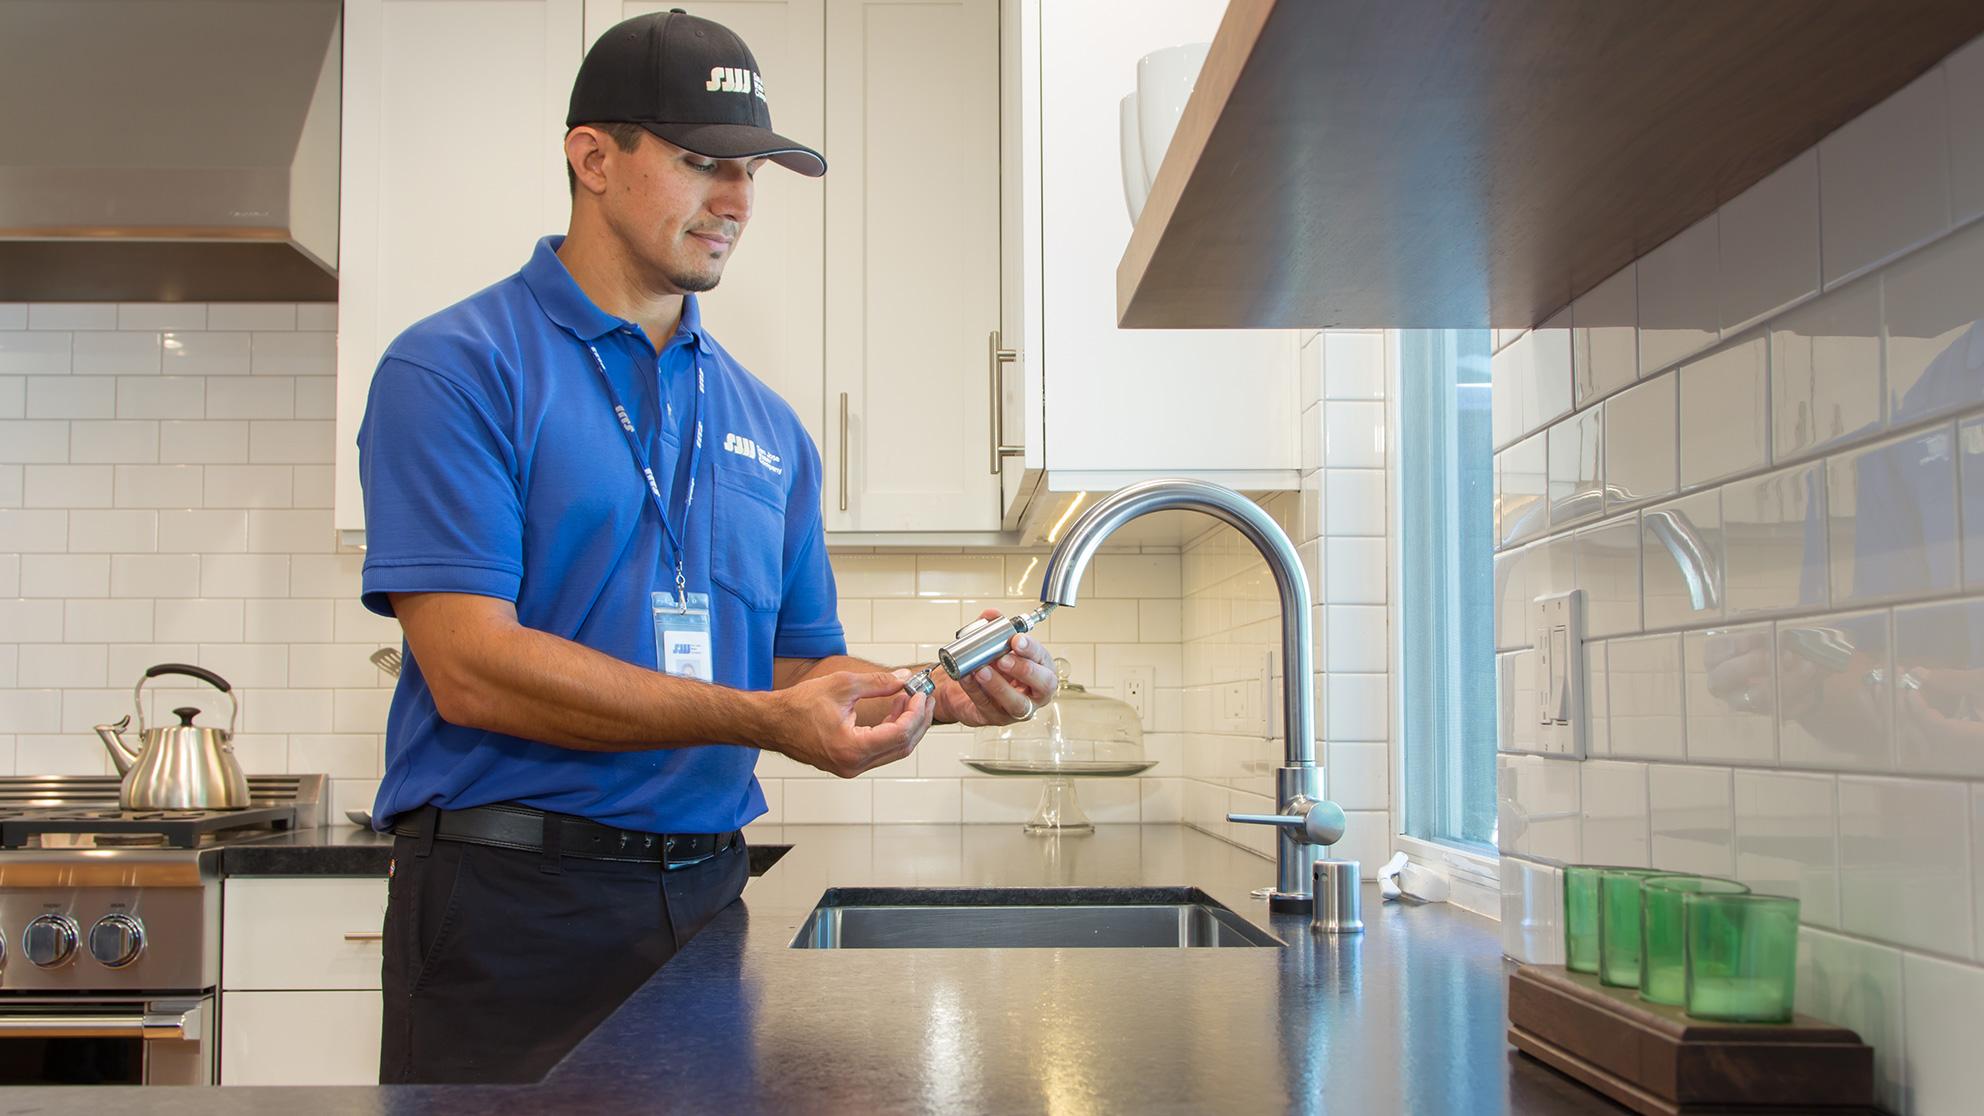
191 671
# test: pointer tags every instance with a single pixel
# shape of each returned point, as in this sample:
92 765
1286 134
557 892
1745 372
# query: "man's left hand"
1008 689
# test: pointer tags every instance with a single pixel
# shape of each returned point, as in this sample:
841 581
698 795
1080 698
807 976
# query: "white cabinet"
299 976
1222 404
452 166
912 262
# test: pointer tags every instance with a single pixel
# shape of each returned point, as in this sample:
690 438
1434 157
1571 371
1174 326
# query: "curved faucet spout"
1299 776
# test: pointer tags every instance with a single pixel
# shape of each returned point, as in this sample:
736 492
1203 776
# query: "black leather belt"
508 826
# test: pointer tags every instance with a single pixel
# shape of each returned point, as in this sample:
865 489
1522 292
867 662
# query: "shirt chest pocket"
747 540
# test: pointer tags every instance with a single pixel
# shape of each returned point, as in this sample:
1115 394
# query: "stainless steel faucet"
1306 821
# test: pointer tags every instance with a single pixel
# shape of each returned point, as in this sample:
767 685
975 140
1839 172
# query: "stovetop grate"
180 829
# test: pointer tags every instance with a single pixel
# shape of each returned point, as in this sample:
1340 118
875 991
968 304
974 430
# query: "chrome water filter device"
977 644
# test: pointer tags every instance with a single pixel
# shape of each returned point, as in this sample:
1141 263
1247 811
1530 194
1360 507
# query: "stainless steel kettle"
182 766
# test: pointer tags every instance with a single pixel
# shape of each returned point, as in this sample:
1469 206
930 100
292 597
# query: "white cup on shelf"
1135 189
1164 83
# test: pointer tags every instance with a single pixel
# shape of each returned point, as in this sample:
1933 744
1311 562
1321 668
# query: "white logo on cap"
735 79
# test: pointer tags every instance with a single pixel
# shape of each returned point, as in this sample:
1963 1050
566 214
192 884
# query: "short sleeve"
809 609
442 509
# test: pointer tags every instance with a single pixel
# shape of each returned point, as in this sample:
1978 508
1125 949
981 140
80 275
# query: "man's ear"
585 153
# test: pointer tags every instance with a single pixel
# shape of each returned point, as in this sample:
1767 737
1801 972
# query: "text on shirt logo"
745 447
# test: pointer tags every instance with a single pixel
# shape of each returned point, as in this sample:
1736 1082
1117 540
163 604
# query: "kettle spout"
121 754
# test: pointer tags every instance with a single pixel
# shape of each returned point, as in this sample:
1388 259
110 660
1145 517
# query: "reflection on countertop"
1408 1017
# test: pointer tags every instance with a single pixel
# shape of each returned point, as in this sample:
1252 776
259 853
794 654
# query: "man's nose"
731 199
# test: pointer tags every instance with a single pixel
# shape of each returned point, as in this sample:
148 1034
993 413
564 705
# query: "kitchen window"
1445 617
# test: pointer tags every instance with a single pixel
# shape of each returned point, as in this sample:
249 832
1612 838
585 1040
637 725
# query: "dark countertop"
1407 1018
339 849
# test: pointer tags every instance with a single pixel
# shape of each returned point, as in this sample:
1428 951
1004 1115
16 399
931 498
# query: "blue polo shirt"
493 463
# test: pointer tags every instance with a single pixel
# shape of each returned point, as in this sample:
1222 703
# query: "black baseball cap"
691 82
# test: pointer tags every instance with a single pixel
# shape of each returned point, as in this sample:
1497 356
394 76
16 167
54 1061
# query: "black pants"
497 962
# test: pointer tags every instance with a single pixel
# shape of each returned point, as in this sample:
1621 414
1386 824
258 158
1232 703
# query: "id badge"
682 636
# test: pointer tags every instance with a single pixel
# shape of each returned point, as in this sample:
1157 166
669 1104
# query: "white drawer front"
299 1038
293 933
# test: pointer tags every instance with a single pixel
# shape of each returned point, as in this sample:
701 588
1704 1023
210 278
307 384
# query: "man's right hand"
816 722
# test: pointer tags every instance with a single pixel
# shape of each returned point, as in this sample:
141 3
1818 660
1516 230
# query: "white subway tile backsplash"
118 442
1970 463
294 354
1692 819
354 623
23 442
1353 364
1640 441
291 711
65 575
30 711
1774 542
1359 774
1833 695
112 532
1511 382
1605 352
345 756
13 397
1354 571
155 575
281 531
10 575
1613 801
317 315
1356 639
27 353
1532 912
161 397
66 754
251 315
203 620
1644 678
1124 575
1770 244
1943 1008
829 801
881 575
71 397
1787 840
72 315
1681 553
116 354
1537 812
13 315
1892 516
1354 435
106 621
33 530
1884 179
287 621
159 486
1725 412
1977 859
1939 711
1825 371
204 354
1608 569
162 315
1354 502
1550 362
1901 878
67 486
317 397
1598 698
1357 707
322 575
250 665
1933 303
339 666
1965 74
359 710
314 487
1857 985
1677 297
923 801
291 443
1577 488
254 397
249 486
914 621
63 666
1732 715
202 443
1525 479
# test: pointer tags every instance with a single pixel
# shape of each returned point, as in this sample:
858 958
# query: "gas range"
93 897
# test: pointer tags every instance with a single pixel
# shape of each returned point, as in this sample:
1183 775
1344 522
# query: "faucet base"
1281 902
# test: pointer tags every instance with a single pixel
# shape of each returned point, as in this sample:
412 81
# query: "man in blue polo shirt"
602 537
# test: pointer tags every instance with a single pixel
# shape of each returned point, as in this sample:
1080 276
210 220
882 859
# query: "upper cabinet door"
1136 400
767 311
453 166
912 263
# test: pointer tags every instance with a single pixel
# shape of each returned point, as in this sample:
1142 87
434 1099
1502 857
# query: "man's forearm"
531 684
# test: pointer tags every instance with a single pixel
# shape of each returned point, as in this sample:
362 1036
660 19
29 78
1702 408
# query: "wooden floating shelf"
1472 163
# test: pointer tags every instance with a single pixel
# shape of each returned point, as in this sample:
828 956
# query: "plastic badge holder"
1742 956
1619 925
1663 935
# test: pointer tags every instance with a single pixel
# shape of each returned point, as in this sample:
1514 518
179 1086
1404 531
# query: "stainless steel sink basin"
1025 918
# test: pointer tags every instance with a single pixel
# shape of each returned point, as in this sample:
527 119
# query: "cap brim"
742 141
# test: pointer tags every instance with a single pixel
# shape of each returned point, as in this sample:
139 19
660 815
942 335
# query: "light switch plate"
1557 630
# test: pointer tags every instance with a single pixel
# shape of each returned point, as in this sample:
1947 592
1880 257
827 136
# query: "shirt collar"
568 305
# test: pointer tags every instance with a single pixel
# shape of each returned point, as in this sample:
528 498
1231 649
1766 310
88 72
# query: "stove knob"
117 940
3 949
50 941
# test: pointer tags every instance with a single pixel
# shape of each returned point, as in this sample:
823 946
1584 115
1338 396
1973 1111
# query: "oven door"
106 1042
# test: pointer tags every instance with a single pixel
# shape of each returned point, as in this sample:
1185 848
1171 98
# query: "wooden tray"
1655 1059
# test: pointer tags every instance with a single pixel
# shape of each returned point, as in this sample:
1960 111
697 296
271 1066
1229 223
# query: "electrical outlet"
1139 682
1233 705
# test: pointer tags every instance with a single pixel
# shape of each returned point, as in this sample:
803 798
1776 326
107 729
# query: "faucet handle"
1317 822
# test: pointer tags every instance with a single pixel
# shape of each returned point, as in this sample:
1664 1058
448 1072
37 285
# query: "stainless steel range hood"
168 150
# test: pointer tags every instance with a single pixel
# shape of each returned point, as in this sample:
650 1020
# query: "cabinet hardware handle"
365 936
994 357
843 451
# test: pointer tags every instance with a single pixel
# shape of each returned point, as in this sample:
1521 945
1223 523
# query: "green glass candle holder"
1581 914
1663 935
1742 956
1619 925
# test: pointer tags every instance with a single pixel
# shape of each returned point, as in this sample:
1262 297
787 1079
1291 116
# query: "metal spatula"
388 660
